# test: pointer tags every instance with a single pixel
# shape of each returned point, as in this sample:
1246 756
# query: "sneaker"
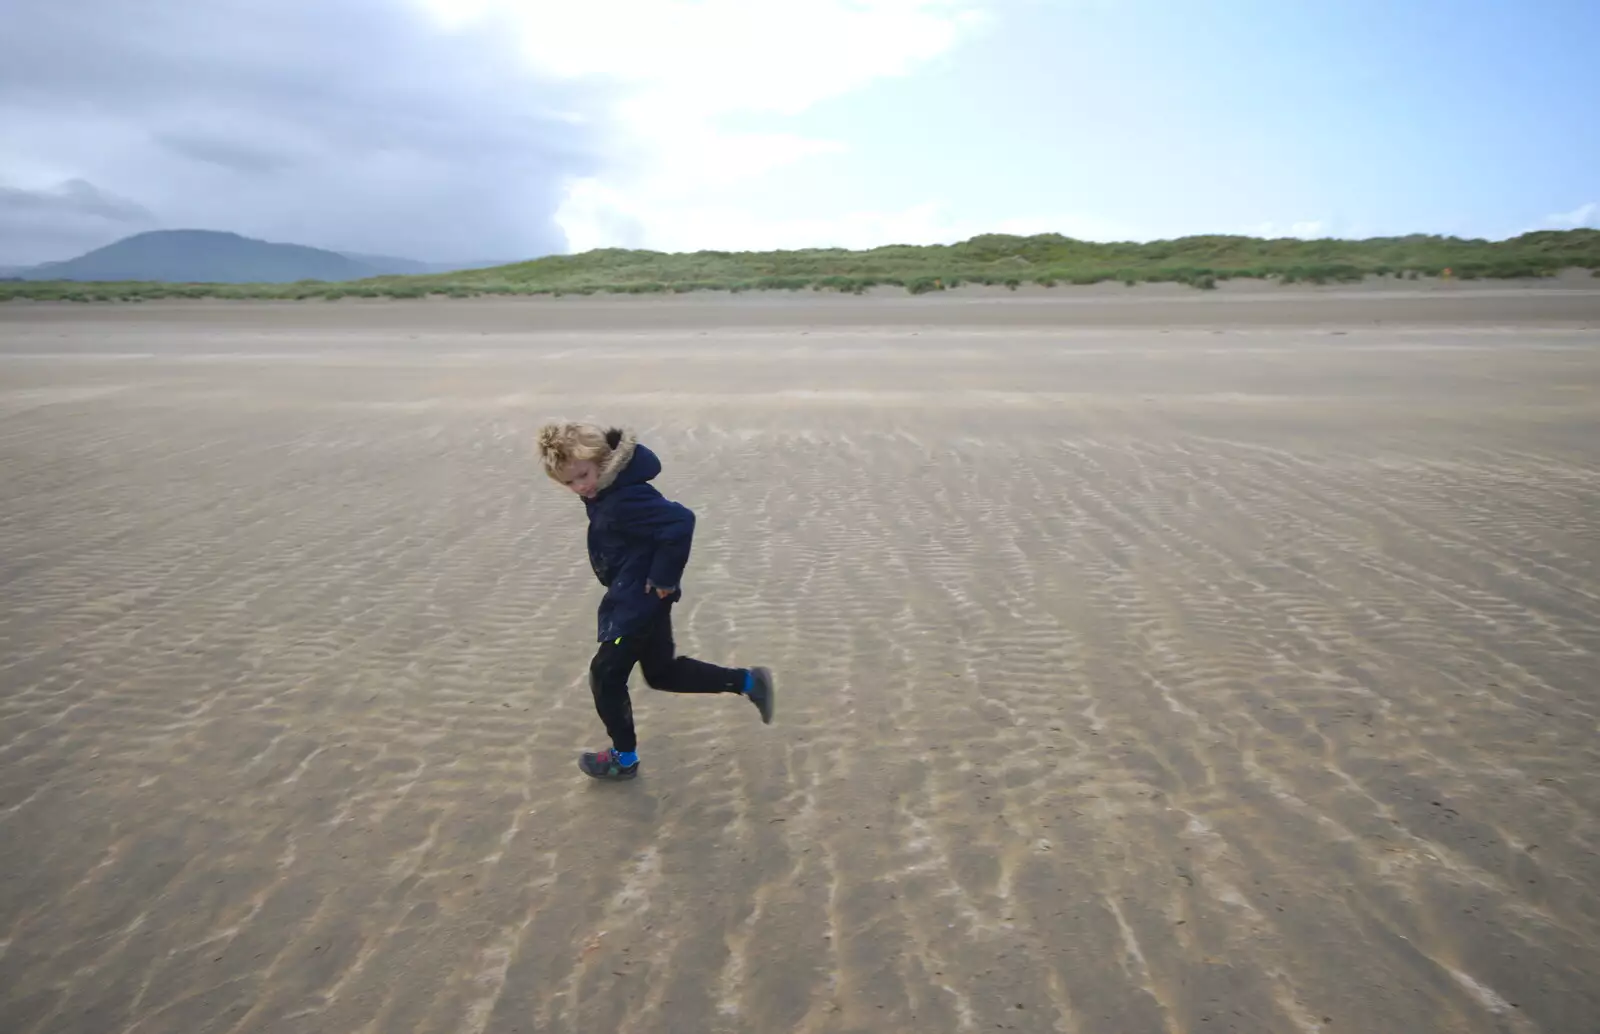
604 765
763 693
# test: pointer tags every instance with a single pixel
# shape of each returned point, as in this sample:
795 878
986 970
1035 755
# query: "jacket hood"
629 463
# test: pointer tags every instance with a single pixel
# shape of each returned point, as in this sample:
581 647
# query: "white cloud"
1583 215
681 72
678 69
1306 229
622 222
718 56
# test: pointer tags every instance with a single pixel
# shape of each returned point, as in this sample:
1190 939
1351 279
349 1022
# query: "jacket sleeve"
669 526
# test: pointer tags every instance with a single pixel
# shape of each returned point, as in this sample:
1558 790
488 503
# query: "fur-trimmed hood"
625 449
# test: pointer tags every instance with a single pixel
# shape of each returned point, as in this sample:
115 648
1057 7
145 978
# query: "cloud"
75 198
706 57
75 212
686 75
1305 229
1583 215
361 125
237 155
709 226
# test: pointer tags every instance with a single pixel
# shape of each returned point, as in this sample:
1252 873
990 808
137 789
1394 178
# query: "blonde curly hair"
564 442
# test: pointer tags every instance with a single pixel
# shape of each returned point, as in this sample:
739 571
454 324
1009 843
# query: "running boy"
638 547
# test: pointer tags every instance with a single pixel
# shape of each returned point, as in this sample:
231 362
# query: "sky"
479 130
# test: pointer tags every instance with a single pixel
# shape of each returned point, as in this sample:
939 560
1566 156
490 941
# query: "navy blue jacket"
638 541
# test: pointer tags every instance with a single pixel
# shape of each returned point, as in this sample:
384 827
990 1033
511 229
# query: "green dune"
991 259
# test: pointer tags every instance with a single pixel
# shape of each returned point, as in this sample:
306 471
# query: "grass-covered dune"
993 259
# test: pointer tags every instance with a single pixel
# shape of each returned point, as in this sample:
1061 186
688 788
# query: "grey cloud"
230 154
358 125
72 198
73 216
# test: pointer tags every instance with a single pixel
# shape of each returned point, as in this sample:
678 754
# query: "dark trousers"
656 655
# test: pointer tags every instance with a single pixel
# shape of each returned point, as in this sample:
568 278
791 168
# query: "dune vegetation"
994 259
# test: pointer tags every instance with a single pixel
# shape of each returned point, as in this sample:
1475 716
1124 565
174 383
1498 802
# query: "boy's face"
581 476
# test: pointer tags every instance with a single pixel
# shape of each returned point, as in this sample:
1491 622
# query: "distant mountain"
216 257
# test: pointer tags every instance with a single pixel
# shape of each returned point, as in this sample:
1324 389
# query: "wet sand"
1147 663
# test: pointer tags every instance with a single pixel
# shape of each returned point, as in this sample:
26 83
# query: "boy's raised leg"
665 670
763 693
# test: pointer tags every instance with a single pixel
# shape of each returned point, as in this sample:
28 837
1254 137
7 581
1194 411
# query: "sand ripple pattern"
1115 699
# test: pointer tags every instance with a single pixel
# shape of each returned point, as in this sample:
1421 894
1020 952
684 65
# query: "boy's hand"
660 592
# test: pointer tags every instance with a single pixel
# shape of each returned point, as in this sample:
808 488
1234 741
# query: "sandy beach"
1150 660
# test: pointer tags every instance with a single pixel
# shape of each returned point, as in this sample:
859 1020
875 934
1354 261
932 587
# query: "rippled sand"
1161 667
